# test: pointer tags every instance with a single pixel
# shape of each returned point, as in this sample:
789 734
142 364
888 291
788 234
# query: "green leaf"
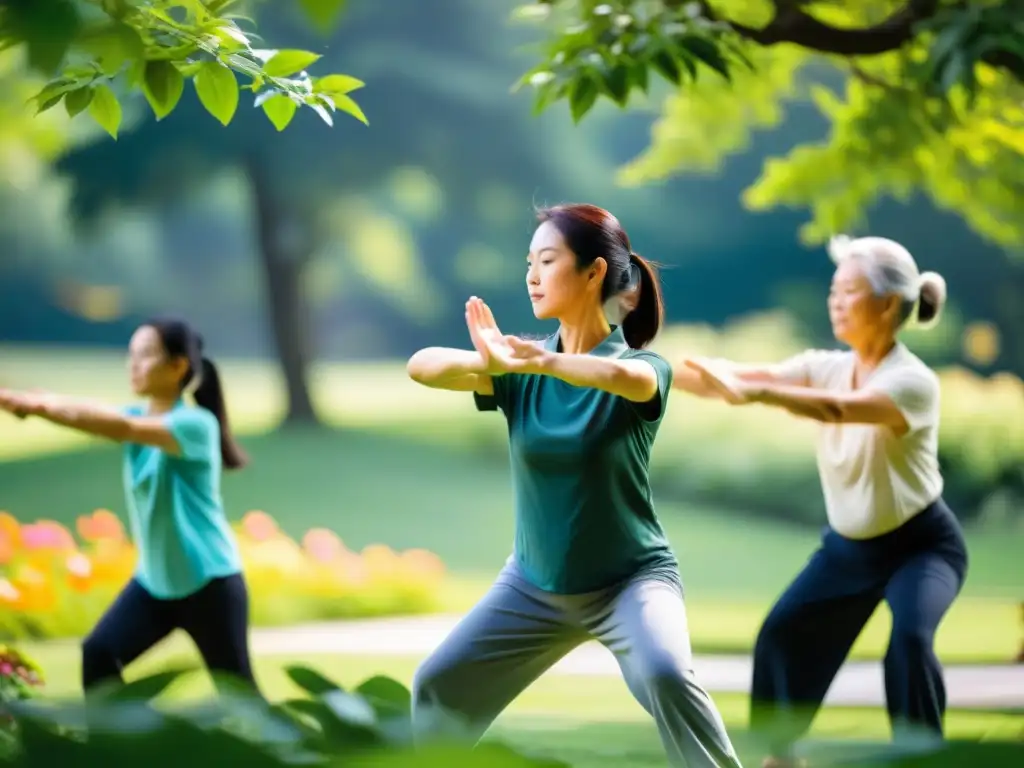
583 96
323 13
289 62
617 84
280 109
386 695
347 105
53 92
335 84
309 679
162 85
48 29
707 52
105 109
77 101
638 76
667 66
112 45
217 90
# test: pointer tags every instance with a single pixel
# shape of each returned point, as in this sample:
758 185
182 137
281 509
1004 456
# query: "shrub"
52 586
368 726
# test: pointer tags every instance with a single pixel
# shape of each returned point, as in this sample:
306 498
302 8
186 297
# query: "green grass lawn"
409 471
590 722
376 488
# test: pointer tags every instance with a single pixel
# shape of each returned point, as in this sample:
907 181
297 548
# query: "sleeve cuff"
485 402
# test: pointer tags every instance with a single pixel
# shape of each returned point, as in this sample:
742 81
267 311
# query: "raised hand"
729 387
500 353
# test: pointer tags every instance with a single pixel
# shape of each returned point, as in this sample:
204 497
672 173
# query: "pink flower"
6 669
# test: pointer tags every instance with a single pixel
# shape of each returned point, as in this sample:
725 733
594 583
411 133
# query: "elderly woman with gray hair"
890 535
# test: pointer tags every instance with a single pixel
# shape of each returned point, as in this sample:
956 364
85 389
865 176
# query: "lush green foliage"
922 96
94 50
367 726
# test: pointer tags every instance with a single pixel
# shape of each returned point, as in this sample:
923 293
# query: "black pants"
918 569
216 617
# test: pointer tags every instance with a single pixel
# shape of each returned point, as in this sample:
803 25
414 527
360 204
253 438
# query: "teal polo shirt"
174 507
580 460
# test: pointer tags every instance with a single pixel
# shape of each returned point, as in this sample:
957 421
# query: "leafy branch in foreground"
91 47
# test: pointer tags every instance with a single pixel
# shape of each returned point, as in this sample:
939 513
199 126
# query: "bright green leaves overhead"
608 49
288 63
966 36
162 84
105 109
217 90
705 123
119 46
932 105
323 13
890 141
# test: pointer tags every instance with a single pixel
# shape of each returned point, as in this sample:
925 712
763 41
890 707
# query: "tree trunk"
284 249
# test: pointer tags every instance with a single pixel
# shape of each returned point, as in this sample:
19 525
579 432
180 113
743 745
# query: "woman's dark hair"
591 233
181 340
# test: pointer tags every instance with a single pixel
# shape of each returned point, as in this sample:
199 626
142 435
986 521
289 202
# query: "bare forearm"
810 403
91 418
441 366
633 380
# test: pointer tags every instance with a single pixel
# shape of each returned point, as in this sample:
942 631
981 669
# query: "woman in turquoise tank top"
189 571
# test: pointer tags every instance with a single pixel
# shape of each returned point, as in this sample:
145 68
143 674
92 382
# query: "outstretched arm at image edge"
457 370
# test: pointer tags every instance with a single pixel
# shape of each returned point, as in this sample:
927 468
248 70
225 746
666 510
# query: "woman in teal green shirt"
590 559
189 572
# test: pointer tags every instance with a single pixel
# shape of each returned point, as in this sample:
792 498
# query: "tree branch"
791 24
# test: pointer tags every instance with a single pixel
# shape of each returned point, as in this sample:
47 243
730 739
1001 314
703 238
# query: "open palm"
730 388
500 353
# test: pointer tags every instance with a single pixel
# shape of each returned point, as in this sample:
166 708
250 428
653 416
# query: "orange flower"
6 548
10 596
113 562
259 526
10 529
322 544
79 572
47 535
101 524
36 590
423 562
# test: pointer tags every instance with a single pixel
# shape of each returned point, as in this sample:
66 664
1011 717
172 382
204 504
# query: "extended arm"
633 380
863 406
689 380
458 370
92 419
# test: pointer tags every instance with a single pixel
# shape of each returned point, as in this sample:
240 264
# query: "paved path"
858 683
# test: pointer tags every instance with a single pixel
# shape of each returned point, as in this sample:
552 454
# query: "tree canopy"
922 96
92 50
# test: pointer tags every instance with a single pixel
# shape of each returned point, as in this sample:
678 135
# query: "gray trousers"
517 632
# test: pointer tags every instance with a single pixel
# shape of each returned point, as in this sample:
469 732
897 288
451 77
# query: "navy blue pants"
918 569
216 617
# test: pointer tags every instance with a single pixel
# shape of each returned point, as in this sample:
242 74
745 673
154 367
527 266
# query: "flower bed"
52 585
